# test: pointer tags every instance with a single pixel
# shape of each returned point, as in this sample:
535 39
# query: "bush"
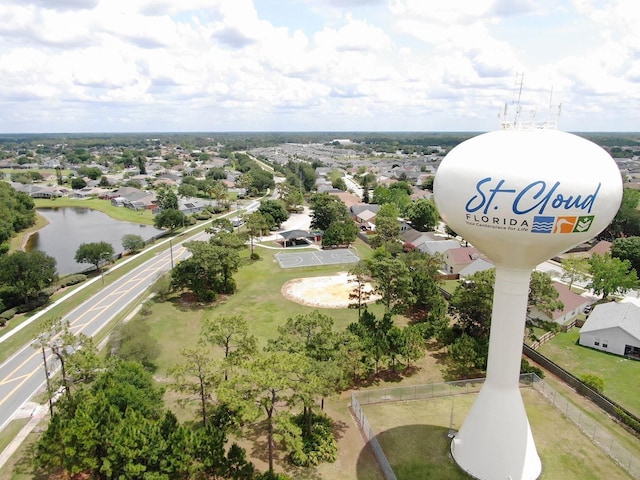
7 315
592 381
628 420
33 303
526 367
72 280
320 446
48 291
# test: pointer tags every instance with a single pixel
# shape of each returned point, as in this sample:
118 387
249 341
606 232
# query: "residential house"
479 265
455 259
614 328
573 304
132 198
192 205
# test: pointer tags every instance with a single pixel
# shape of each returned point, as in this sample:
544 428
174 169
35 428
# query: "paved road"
23 375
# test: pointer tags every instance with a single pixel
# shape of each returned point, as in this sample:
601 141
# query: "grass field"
620 375
404 428
413 436
118 213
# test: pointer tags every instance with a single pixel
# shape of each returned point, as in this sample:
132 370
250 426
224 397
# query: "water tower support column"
495 440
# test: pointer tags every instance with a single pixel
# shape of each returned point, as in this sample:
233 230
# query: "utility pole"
46 374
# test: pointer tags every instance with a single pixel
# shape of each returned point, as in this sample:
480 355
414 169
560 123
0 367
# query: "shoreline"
40 223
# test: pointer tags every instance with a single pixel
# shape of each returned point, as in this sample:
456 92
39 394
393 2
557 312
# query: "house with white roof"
613 327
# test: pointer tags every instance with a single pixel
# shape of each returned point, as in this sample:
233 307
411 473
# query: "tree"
133 243
131 341
187 190
290 195
77 183
127 385
463 355
208 271
610 275
626 223
231 333
387 225
312 335
263 385
391 280
575 269
167 199
218 191
361 293
325 209
274 208
340 232
77 355
256 225
375 335
197 376
430 307
542 294
27 273
423 215
170 219
95 253
472 303
627 248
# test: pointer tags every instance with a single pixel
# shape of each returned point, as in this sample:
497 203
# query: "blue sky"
316 65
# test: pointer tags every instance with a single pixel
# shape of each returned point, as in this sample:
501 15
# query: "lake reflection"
69 227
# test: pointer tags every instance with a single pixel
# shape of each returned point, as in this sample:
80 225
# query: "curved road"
23 375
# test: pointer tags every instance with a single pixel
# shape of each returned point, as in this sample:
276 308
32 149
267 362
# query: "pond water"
69 227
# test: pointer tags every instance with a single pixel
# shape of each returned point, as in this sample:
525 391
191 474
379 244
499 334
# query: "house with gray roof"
434 247
479 265
614 328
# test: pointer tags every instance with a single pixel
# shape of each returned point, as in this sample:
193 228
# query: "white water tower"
521 196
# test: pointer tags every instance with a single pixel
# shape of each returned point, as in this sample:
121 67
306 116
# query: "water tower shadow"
414 451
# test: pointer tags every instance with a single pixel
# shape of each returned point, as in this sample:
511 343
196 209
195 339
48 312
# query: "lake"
71 226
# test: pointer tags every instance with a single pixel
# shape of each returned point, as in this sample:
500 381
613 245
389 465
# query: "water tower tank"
520 196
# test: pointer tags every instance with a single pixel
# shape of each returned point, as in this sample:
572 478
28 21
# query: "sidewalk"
34 410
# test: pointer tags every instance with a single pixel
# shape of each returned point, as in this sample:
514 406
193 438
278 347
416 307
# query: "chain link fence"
589 427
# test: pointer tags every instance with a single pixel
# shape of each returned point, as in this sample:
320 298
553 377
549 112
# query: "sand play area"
325 292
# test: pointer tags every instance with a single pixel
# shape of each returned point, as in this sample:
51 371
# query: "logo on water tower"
547 224
507 205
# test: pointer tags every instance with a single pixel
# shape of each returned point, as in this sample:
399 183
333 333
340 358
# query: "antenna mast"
517 123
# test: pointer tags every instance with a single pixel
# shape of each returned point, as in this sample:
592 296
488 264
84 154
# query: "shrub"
526 367
7 315
72 280
33 303
628 420
592 381
48 291
320 446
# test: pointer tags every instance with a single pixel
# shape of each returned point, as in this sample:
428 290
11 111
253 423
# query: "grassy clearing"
413 435
104 206
616 371
258 299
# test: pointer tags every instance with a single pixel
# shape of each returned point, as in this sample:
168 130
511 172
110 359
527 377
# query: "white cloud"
353 64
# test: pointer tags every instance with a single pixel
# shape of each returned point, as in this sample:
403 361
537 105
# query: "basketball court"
318 257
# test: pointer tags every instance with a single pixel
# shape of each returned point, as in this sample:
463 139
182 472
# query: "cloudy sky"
309 65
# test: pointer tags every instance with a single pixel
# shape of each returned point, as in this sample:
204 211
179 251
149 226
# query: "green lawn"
413 436
620 375
104 206
258 299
